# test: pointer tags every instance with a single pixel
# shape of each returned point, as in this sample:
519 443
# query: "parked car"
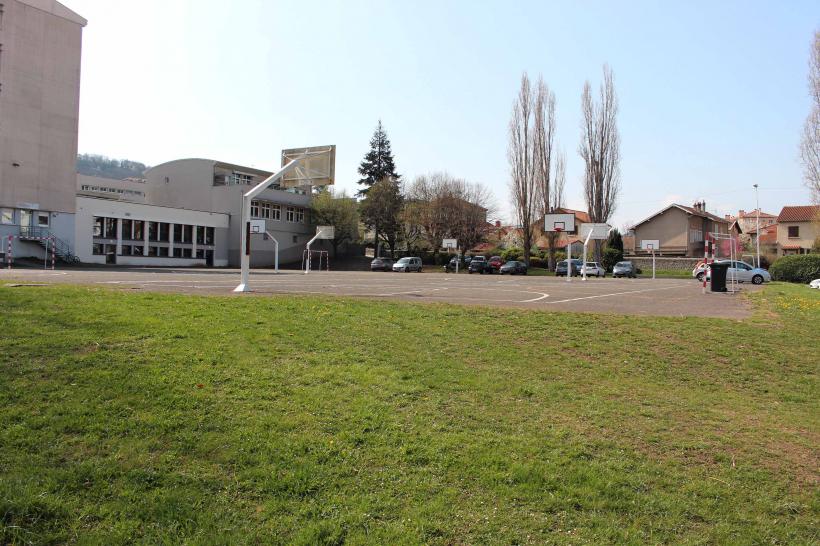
407 265
593 269
467 260
699 271
624 269
742 272
561 268
513 267
495 263
450 266
815 284
382 264
479 264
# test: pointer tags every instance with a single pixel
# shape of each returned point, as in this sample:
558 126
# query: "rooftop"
801 213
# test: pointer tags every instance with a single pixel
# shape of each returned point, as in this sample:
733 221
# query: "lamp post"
757 237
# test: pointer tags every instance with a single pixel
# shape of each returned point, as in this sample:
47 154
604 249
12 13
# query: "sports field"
659 297
133 416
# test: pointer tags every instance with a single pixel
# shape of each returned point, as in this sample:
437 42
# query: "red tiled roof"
791 247
582 216
804 213
753 214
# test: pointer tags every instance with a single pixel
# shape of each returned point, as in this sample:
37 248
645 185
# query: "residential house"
797 229
679 230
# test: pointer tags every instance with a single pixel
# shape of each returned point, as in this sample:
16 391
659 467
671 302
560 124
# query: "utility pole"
757 237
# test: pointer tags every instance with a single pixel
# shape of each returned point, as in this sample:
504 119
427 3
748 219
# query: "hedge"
797 268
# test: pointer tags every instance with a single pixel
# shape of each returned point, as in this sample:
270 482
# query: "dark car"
514 267
479 264
451 265
382 264
624 269
495 263
561 268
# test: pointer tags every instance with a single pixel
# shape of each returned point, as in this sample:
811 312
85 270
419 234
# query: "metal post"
653 262
245 245
757 237
45 255
275 252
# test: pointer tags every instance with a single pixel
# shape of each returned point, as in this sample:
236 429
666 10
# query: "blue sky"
713 94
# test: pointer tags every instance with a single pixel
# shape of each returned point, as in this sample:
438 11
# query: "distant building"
39 110
679 230
797 229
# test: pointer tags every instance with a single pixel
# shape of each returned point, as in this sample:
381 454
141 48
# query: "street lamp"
757 237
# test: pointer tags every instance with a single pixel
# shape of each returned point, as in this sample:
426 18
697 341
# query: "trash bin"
718 276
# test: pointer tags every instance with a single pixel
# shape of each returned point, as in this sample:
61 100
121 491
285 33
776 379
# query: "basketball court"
658 297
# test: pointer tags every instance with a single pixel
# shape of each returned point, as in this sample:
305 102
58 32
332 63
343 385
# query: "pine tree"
378 164
615 240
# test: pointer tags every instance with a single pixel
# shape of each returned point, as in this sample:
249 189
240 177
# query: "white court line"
541 297
614 294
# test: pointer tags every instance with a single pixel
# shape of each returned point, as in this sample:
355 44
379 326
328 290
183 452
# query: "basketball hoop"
559 230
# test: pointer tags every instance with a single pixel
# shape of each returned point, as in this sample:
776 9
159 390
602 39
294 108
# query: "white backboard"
599 231
325 232
317 166
650 244
257 226
449 244
559 222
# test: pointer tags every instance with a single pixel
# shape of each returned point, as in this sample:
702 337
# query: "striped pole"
8 251
53 252
707 251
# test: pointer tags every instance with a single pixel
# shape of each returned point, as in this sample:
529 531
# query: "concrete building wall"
109 188
88 208
39 104
807 231
669 228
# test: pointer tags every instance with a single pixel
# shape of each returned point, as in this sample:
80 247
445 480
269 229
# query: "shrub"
611 257
513 253
537 261
798 268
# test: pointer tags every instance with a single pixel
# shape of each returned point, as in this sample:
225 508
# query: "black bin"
718 275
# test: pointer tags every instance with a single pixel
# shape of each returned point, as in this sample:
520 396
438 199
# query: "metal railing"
40 234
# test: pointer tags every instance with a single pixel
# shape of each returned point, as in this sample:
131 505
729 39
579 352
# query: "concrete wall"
809 231
39 104
673 264
89 207
670 228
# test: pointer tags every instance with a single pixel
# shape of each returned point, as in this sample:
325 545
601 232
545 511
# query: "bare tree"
810 144
555 200
520 154
600 149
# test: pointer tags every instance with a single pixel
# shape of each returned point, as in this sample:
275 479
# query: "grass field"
137 417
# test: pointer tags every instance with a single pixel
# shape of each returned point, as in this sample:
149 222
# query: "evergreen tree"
615 240
378 164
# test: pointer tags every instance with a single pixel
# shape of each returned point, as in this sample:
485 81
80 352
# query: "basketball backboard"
449 244
650 244
595 231
317 166
257 226
559 223
325 232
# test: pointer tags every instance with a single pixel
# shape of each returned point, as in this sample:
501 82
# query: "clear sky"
713 95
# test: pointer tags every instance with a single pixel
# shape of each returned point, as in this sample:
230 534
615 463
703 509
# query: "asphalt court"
659 297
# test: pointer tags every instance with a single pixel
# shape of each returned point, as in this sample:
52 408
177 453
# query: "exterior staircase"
38 235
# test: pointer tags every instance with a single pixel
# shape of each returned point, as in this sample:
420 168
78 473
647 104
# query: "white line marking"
539 298
613 294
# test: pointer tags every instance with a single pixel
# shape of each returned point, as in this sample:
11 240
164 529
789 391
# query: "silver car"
743 272
407 265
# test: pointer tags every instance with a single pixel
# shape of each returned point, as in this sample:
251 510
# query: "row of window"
100 249
161 232
105 189
28 218
273 211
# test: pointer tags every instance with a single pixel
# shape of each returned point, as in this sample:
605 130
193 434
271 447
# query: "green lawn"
137 417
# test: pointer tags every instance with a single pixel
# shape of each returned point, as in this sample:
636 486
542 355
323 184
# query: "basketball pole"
245 223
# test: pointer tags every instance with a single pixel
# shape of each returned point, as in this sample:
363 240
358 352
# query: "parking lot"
660 297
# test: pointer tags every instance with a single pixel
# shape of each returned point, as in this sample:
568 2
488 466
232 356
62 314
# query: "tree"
810 144
521 157
600 150
341 212
378 163
380 211
615 240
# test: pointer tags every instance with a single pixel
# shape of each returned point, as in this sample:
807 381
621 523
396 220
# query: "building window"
209 235
794 232
177 252
300 216
276 212
152 250
241 179
188 234
164 231
97 229
264 210
42 219
125 250
254 209
187 253
127 230
695 236
200 254
177 233
162 252
200 235
295 239
137 250
290 214
97 249
110 228
152 232
6 216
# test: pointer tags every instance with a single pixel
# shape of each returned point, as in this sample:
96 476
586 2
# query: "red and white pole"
8 251
53 252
